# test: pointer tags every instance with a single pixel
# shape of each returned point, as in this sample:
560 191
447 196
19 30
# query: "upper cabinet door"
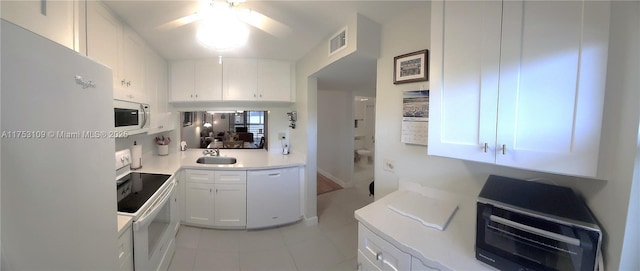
182 78
274 80
552 82
239 79
519 83
104 38
208 80
51 19
133 65
465 58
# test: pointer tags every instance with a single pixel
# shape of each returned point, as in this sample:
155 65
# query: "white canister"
163 150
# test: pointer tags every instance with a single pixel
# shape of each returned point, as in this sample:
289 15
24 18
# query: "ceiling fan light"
221 29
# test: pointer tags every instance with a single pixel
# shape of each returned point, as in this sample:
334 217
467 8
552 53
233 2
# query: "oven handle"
154 209
529 229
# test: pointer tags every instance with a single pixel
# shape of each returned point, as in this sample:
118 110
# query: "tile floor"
329 245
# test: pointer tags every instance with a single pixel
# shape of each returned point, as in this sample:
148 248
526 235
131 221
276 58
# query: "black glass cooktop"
136 188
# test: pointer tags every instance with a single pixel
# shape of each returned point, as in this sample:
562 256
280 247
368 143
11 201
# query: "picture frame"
411 67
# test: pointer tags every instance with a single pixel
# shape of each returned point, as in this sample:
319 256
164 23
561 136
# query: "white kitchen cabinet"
55 20
273 197
546 61
256 80
196 80
240 79
199 203
133 62
115 45
216 198
274 80
383 255
156 86
125 249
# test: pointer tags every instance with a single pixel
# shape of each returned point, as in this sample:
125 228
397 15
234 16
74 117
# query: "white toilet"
365 156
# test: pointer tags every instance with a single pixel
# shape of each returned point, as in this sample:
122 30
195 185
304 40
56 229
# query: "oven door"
510 241
153 232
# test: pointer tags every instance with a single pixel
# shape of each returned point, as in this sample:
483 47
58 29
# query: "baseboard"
311 221
335 179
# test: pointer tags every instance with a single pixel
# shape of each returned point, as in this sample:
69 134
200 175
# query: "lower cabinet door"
230 205
199 203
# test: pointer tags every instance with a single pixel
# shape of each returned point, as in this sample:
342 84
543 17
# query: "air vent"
338 42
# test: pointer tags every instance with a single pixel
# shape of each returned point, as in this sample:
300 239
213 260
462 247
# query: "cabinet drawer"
382 253
364 264
230 177
125 246
200 176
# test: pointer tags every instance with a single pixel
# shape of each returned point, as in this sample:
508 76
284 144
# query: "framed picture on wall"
411 67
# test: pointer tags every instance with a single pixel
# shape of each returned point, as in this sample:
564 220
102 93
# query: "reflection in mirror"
224 129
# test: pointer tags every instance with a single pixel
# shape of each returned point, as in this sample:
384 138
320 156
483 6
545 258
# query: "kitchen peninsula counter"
246 160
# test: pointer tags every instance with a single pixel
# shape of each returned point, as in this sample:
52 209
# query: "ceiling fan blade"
264 23
179 22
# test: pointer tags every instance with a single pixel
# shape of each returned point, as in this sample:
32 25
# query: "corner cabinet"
519 83
196 80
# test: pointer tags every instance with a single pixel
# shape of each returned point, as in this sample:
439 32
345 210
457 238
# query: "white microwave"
131 117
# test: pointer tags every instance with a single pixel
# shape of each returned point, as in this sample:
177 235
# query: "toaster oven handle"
533 230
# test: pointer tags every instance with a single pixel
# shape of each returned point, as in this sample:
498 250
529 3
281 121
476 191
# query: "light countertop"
123 223
453 248
247 160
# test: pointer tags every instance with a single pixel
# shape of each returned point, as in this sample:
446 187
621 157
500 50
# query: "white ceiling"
310 21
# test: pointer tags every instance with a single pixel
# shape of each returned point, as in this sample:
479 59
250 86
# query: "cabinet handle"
379 256
210 190
359 266
122 82
486 146
128 83
254 96
196 95
504 149
260 95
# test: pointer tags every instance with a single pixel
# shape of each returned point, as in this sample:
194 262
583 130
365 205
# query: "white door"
208 80
182 80
553 68
239 79
104 38
274 80
199 203
133 51
465 57
230 205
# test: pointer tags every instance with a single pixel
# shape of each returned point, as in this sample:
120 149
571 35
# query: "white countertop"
452 248
246 160
123 223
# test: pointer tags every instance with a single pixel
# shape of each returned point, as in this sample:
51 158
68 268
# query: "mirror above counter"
229 129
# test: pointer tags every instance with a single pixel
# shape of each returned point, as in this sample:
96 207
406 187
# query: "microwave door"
126 117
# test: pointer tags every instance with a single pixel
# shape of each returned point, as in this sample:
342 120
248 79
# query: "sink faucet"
212 152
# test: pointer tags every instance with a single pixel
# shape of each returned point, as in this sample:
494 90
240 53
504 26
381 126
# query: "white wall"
609 200
335 135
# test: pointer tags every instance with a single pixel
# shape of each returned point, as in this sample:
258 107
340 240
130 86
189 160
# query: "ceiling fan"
211 10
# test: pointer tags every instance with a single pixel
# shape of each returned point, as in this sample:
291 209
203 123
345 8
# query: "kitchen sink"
216 160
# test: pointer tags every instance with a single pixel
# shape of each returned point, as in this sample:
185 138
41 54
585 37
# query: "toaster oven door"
507 239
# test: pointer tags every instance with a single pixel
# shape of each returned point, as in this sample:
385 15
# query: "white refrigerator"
58 191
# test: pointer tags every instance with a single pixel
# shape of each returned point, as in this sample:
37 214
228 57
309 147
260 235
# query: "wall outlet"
389 165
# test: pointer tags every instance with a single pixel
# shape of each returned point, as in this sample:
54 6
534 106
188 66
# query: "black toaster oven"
525 225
